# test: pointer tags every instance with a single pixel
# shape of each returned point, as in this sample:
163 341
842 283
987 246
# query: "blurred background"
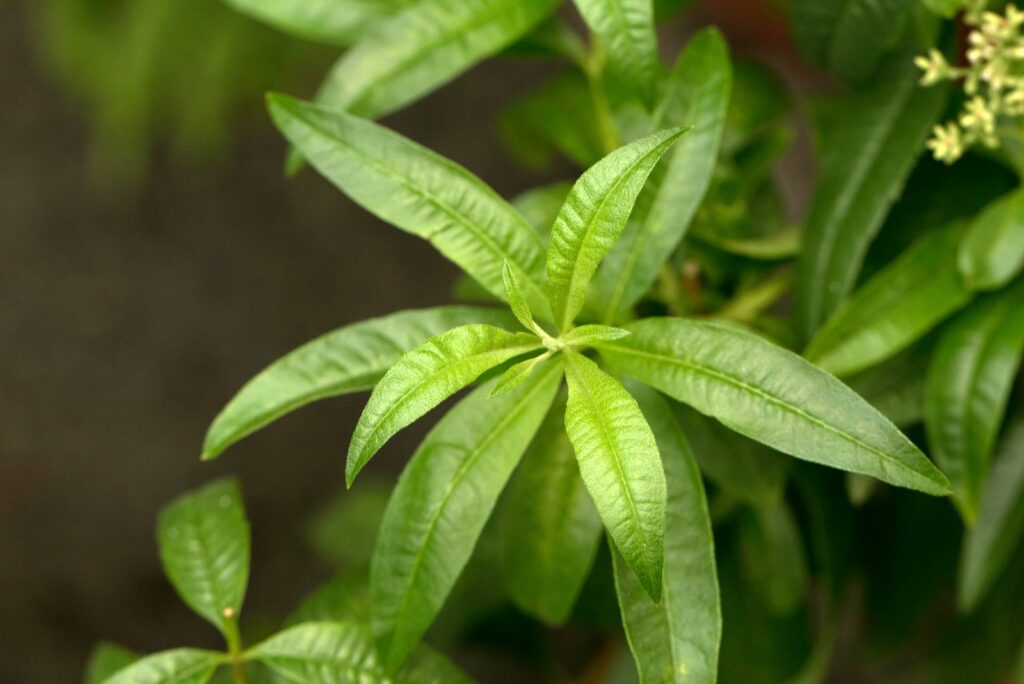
153 258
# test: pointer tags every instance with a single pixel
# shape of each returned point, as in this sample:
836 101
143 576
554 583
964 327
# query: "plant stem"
594 70
234 640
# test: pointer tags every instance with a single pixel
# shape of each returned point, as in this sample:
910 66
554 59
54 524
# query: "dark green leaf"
993 248
773 556
106 660
896 387
626 28
344 597
337 22
180 666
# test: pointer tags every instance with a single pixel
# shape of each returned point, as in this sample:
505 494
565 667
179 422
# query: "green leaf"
344 597
773 556
540 205
518 374
697 93
517 302
1000 525
180 666
442 502
969 383
550 528
350 359
626 28
586 335
880 136
106 660
992 252
593 217
420 192
619 461
422 48
336 22
783 244
770 395
343 653
426 376
896 387
677 639
896 307
945 8
204 547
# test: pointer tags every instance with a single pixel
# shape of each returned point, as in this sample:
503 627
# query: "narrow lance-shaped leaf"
442 502
540 205
620 465
550 528
969 383
592 219
773 556
896 387
882 133
696 92
626 28
895 308
677 639
180 666
586 335
350 359
770 395
1000 525
204 547
426 376
336 22
992 252
420 192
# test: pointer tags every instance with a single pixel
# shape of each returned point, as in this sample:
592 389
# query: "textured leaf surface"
593 217
1000 525
423 48
426 376
881 133
896 307
550 528
180 666
619 461
993 249
337 22
969 384
350 359
626 28
697 94
204 547
420 192
677 639
106 660
589 334
770 395
442 501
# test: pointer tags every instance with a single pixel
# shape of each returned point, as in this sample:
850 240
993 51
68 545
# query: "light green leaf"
881 134
697 93
350 359
204 547
626 28
550 528
783 244
442 502
426 376
106 660
586 335
969 383
676 640
619 461
180 666
992 252
896 387
1000 525
420 192
593 217
518 374
770 395
896 307
343 653
540 205
422 48
516 300
773 556
336 22
344 597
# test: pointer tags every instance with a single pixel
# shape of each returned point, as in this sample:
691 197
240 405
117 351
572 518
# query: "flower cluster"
993 80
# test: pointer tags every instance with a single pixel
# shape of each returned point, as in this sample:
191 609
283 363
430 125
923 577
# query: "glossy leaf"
696 93
770 395
592 219
337 22
422 48
1000 525
426 376
442 502
677 639
180 666
969 383
626 29
993 248
106 660
550 528
420 192
350 359
896 307
773 556
619 461
880 135
204 547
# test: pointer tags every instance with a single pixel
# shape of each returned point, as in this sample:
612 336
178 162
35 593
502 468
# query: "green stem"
594 70
235 650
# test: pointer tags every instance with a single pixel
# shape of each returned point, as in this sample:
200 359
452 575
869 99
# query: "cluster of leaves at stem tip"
585 408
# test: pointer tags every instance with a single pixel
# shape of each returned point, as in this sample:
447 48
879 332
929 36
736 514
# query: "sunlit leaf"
180 666
626 29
